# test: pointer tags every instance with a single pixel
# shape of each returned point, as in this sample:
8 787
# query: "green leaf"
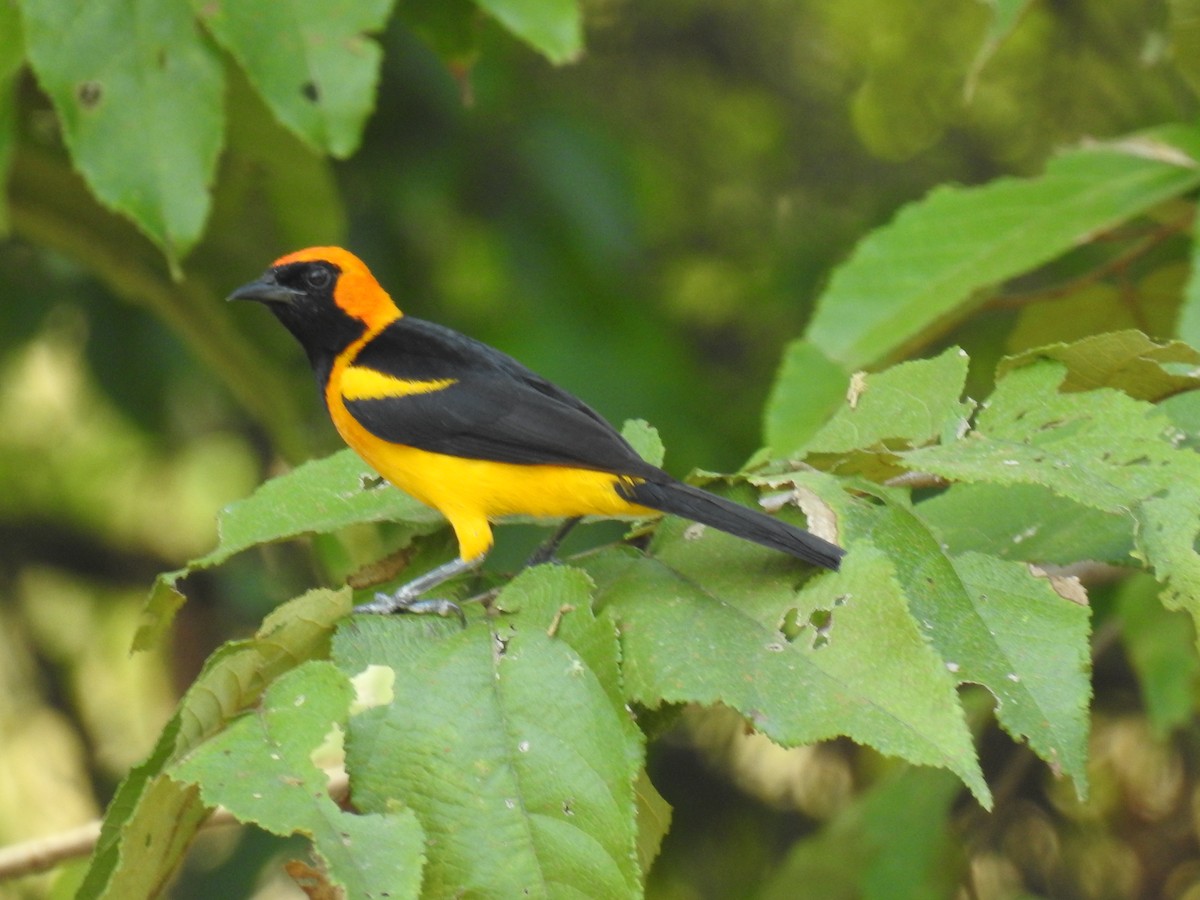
1183 410
713 619
152 818
316 498
912 404
506 741
1168 527
992 623
654 821
236 674
1100 448
552 27
262 768
1161 648
139 94
311 61
1026 522
807 389
146 829
1039 632
937 256
643 437
891 843
1126 360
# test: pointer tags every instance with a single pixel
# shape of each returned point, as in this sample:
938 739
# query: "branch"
42 854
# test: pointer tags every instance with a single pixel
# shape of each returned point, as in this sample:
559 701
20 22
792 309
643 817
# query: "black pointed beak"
265 290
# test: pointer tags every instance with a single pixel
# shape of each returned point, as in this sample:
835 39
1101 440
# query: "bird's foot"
402 601
409 598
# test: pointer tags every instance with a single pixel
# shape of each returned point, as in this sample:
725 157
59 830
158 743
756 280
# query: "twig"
42 854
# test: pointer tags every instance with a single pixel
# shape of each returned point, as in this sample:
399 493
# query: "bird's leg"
546 551
407 597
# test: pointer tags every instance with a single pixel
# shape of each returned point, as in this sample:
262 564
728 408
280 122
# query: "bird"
470 431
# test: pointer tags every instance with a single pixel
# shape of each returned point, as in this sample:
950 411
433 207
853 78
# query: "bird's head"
325 296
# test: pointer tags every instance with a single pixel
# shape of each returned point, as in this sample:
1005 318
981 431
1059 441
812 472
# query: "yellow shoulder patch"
360 383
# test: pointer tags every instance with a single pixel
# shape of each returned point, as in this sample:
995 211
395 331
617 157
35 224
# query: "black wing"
496 410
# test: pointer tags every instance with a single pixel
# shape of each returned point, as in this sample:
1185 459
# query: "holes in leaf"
501 644
310 91
790 626
822 622
819 624
89 94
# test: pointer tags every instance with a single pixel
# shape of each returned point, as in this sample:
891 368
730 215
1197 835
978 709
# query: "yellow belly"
498 489
472 492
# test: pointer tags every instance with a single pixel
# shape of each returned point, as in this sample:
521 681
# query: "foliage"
993 407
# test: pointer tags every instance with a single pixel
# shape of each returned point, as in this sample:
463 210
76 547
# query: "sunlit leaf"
152 818
139 94
1168 529
318 497
146 830
1100 448
645 440
552 27
1140 367
712 619
262 769
931 263
506 742
654 821
911 404
1026 522
1184 412
808 388
996 624
313 63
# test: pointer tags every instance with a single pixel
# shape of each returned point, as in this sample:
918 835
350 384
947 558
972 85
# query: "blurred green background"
648 227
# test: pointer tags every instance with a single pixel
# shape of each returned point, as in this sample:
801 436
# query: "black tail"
692 503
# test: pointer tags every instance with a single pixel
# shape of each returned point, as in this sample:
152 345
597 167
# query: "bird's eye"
318 278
